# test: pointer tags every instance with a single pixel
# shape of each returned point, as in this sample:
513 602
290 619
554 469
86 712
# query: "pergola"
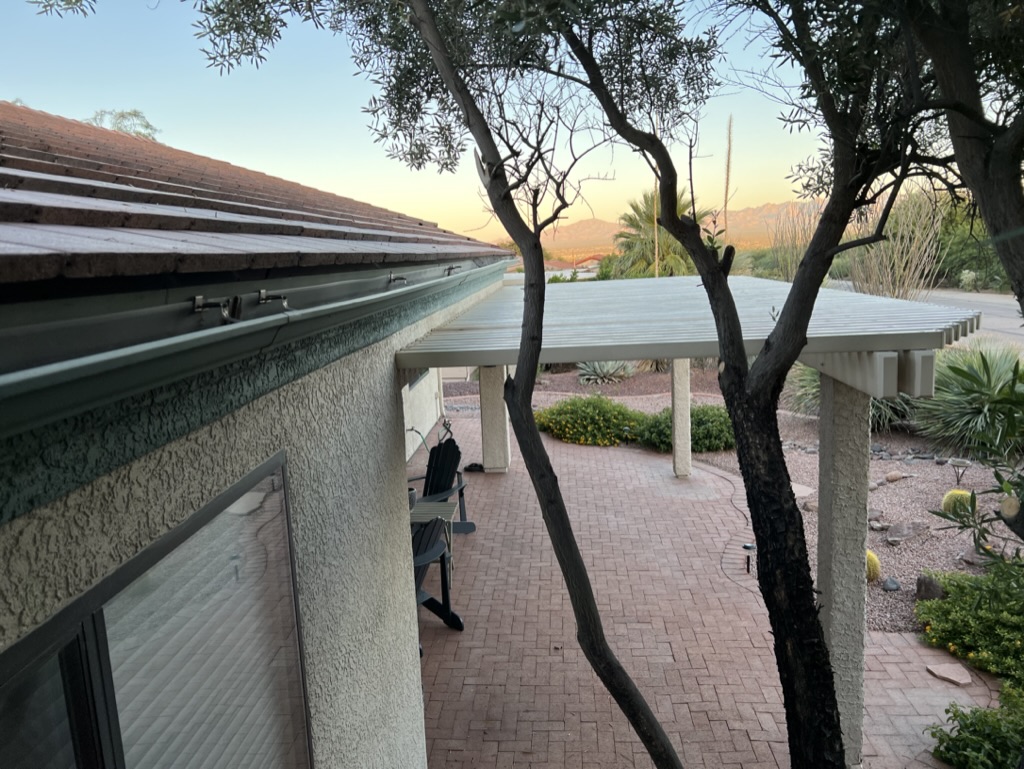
864 346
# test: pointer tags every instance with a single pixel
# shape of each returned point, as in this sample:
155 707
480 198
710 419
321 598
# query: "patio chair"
428 546
444 479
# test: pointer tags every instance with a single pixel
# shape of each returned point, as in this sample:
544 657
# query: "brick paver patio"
667 565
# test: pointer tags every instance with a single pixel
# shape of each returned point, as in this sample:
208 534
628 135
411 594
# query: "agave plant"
604 371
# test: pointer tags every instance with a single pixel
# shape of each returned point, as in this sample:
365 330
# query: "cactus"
956 499
874 566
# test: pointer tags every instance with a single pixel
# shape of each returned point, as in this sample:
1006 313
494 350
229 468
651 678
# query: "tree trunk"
519 396
784 576
589 630
989 160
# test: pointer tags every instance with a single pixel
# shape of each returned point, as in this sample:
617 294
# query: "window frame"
76 634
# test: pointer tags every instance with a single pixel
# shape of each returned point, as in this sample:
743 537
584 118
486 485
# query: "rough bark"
751 396
518 397
784 577
988 156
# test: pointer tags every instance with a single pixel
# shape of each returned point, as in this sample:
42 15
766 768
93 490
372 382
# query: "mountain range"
749 229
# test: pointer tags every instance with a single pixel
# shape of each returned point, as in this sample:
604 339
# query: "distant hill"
749 229
589 237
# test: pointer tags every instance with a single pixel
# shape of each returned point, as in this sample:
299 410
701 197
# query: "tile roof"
78 201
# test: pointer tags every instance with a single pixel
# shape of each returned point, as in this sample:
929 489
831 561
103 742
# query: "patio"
666 560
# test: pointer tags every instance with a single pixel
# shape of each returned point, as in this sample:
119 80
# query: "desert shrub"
657 365
981 620
873 566
710 429
906 263
606 268
604 371
983 738
557 277
591 421
977 396
656 432
803 395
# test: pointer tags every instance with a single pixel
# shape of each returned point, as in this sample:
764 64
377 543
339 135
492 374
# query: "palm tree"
635 242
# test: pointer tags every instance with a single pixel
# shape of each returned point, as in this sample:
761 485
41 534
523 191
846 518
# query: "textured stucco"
844 458
682 451
422 402
341 428
496 446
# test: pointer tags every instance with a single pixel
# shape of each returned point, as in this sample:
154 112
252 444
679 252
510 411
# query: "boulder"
928 588
903 531
894 476
891 585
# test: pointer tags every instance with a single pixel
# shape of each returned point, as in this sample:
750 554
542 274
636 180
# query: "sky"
299 115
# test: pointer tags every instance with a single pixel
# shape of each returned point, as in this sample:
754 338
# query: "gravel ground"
925 480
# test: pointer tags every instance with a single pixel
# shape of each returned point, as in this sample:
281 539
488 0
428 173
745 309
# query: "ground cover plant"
981 621
599 421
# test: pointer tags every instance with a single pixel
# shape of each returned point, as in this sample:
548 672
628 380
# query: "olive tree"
532 85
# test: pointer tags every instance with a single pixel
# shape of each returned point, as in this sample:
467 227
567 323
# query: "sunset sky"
299 116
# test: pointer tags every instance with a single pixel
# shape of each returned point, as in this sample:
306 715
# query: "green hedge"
599 421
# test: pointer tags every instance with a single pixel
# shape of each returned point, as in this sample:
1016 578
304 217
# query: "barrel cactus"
874 566
955 500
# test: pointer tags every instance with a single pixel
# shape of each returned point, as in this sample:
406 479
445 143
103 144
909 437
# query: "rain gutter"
35 396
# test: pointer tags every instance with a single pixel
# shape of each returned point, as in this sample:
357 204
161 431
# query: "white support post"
682 461
843 466
494 425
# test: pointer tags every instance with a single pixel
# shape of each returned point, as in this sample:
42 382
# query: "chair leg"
462 526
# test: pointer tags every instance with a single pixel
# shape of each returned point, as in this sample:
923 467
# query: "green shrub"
981 620
590 421
656 432
600 421
977 396
710 429
556 277
983 738
803 395
604 371
606 269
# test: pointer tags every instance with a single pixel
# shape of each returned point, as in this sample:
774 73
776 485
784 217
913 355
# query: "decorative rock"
874 514
879 526
876 448
953 672
810 507
928 588
872 486
881 482
800 491
894 476
926 455
891 585
904 531
975 558
940 460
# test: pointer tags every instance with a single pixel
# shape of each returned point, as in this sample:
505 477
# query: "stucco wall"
342 430
422 399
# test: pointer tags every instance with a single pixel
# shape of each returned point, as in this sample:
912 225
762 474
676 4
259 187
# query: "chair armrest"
431 555
441 496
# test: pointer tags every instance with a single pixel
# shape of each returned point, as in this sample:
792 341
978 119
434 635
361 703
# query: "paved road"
1000 312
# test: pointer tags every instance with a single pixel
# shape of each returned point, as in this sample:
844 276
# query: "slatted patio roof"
670 318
